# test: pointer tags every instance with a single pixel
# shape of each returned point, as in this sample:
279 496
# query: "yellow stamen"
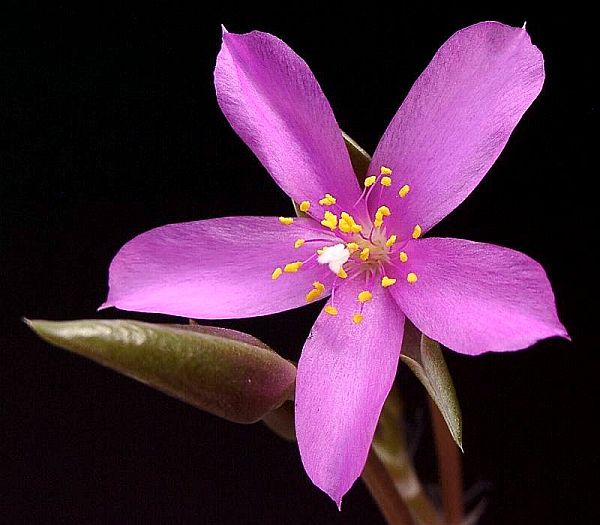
387 281
403 192
304 206
364 254
412 278
347 224
390 242
416 232
369 181
385 171
352 247
319 286
365 296
292 267
312 295
386 181
330 220
403 257
331 310
286 220
382 211
276 273
357 318
299 243
328 200
342 274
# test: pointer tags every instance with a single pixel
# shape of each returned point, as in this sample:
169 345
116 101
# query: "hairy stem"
449 467
381 487
390 445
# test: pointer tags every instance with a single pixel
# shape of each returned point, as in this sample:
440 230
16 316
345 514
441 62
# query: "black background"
109 126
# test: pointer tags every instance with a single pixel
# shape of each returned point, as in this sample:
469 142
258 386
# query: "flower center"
364 249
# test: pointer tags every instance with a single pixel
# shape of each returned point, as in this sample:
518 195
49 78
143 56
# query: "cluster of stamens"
367 250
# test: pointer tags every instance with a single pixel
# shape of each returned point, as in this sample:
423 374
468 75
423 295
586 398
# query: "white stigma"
334 256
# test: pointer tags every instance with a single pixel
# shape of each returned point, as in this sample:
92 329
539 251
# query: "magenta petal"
456 120
344 376
474 297
274 103
216 269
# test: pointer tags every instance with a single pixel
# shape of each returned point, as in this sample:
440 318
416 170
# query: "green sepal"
424 357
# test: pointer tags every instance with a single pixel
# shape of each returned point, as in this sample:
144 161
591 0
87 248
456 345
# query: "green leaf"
424 357
282 421
224 372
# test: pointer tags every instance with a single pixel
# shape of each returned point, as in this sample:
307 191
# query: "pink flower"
362 248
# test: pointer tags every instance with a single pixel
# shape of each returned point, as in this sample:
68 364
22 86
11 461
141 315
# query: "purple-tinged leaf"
227 373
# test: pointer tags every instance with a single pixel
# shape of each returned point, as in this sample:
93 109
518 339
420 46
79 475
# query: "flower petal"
456 120
216 269
474 297
274 103
344 376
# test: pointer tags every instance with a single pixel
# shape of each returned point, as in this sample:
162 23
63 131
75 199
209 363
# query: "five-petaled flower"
362 248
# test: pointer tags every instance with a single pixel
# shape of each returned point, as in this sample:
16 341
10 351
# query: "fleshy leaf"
281 421
227 373
424 357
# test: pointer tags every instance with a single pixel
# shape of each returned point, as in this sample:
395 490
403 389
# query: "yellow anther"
365 296
385 171
347 224
304 206
330 220
369 181
412 278
299 243
328 200
292 267
403 257
342 274
382 211
312 295
364 254
390 242
276 273
331 310
317 285
352 247
320 251
403 192
286 220
416 232
386 181
387 281
357 318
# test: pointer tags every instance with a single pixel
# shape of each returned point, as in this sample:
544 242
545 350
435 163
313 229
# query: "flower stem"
381 487
449 467
390 445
